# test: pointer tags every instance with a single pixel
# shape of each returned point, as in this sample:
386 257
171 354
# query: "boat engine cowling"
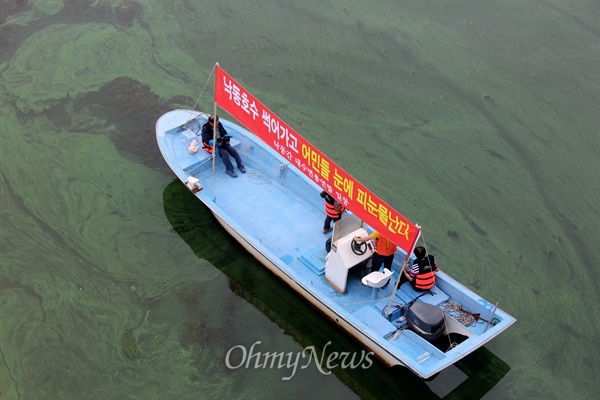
426 320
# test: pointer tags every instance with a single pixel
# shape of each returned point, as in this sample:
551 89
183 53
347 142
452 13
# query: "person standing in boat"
384 251
422 272
224 148
334 210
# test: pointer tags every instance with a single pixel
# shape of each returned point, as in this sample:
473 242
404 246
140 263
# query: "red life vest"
384 247
332 212
207 147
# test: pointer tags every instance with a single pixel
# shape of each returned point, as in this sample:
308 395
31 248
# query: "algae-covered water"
478 120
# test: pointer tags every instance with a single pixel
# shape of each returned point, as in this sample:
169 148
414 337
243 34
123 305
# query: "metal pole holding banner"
215 126
408 254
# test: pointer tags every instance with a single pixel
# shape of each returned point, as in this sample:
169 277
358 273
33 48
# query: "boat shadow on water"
471 377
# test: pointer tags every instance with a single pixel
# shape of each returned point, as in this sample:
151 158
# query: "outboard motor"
426 320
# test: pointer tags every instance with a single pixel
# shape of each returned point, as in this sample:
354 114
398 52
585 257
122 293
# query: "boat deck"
269 210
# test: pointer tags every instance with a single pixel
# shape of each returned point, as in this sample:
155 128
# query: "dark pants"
378 260
329 220
404 279
225 151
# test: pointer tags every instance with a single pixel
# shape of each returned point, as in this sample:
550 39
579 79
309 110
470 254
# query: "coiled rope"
464 318
258 178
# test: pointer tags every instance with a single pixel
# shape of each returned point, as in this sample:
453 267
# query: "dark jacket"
207 134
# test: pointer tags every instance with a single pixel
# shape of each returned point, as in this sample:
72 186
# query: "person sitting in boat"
224 148
384 251
422 272
334 210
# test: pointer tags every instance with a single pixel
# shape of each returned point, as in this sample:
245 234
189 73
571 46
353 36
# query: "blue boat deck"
268 210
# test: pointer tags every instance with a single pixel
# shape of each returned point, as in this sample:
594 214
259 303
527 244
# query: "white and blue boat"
274 210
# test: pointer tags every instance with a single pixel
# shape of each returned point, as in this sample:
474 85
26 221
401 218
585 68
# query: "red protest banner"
261 121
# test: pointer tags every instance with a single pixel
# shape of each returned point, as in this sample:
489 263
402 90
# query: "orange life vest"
425 281
332 212
384 247
207 147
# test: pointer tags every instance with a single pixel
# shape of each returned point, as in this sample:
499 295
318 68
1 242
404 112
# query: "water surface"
478 120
